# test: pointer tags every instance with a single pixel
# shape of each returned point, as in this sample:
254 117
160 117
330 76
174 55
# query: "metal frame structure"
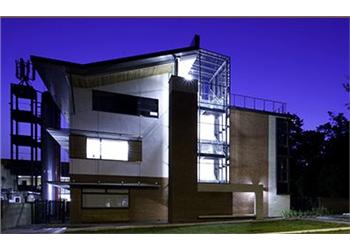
28 113
258 104
25 109
212 70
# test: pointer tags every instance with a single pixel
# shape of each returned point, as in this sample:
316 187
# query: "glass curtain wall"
212 71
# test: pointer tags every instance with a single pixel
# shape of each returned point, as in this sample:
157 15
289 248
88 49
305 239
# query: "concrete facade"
153 132
145 204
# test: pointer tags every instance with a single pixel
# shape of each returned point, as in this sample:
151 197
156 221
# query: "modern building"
154 138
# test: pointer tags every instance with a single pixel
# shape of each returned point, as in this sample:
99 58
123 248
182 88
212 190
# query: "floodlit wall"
253 161
152 131
249 159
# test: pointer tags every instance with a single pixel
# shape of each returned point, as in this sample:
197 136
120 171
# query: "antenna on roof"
196 41
24 71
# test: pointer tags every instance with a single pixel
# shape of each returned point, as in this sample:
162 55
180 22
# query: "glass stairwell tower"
213 73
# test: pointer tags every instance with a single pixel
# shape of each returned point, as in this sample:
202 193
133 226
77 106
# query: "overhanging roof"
62 135
60 76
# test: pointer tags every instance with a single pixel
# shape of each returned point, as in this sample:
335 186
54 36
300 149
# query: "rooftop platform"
258 104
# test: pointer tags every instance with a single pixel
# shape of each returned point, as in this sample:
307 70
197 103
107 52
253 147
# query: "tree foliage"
319 160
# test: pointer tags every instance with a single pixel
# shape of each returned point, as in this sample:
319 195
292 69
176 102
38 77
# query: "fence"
46 212
256 103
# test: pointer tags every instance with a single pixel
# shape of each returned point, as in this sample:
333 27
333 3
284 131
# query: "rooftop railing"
256 103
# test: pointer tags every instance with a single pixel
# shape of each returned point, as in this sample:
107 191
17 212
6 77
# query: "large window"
107 149
105 198
212 166
124 104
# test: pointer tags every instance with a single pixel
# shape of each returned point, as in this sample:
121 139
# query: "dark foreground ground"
228 228
325 224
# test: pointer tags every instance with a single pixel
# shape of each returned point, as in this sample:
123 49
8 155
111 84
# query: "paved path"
47 229
35 230
340 219
323 230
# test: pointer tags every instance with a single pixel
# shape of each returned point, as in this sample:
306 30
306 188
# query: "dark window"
282 162
104 198
282 131
124 104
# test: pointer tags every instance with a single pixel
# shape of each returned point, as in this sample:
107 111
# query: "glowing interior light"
93 148
49 192
107 149
188 77
152 113
114 150
206 172
185 65
207 128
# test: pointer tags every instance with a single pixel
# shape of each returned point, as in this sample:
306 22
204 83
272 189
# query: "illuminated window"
207 127
107 149
207 170
93 148
114 150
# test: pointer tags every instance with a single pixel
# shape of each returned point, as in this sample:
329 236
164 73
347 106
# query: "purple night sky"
303 61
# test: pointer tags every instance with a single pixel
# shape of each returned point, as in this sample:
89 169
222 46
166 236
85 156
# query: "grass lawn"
234 228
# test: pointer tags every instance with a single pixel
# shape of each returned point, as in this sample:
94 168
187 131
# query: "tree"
334 170
347 89
319 160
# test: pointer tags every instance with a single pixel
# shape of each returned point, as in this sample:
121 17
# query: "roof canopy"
61 76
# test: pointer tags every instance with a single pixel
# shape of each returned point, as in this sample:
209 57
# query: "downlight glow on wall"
185 65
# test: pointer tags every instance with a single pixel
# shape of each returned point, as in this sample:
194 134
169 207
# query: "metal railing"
257 103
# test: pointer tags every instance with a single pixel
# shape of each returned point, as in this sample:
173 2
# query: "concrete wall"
14 215
153 131
277 203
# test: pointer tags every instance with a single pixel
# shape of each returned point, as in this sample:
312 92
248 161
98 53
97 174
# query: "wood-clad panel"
90 81
135 151
77 146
